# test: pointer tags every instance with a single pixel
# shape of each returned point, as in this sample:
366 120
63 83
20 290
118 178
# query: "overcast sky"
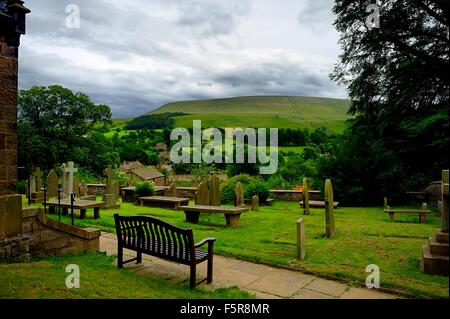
139 54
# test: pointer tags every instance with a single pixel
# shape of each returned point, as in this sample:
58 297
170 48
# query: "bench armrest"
204 241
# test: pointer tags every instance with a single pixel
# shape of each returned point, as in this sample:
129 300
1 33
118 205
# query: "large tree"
57 125
397 78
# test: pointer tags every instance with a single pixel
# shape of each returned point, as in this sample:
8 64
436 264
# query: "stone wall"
293 195
96 189
31 233
8 118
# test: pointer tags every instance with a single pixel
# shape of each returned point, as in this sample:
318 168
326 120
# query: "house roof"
130 166
147 173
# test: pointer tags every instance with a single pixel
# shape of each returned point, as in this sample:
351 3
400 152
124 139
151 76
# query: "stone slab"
328 287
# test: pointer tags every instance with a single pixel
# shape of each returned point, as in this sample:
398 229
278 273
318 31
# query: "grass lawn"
365 236
99 278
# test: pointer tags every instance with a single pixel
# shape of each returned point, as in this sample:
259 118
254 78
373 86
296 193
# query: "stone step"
434 264
441 237
437 248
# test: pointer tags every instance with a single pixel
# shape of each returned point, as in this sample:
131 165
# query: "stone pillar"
12 25
300 239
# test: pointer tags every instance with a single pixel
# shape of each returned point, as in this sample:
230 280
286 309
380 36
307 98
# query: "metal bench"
151 236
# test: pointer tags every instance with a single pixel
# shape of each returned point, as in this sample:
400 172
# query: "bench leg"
193 278
391 216
119 256
233 220
209 276
139 257
82 213
96 212
422 218
192 217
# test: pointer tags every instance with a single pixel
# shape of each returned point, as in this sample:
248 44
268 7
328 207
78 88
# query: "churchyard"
364 235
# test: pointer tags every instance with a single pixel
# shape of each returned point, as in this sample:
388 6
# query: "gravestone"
300 239
202 196
76 186
52 184
173 191
37 196
305 193
239 195
385 203
255 203
329 209
64 186
214 190
112 189
70 170
83 189
10 216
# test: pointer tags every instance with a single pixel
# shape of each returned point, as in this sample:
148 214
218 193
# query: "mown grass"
364 236
99 278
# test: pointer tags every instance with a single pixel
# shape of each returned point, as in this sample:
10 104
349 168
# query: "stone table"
81 205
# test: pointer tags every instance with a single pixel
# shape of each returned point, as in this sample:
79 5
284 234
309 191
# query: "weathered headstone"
214 190
202 196
329 209
239 195
38 174
10 216
52 184
64 185
173 191
255 203
76 186
112 189
385 203
300 239
83 189
305 195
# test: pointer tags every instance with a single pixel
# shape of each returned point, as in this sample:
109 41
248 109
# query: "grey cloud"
316 15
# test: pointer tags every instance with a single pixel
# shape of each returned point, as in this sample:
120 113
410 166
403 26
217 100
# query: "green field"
262 111
364 236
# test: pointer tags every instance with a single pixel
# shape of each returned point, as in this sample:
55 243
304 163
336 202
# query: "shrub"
144 189
227 187
121 177
257 187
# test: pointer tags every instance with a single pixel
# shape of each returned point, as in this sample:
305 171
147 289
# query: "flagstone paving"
263 281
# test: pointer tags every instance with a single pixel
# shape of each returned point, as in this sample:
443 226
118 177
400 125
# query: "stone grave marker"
202 196
52 184
83 189
239 195
76 186
255 203
300 239
305 193
70 169
10 216
35 186
214 190
329 209
173 190
110 197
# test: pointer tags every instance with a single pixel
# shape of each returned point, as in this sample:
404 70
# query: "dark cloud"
135 57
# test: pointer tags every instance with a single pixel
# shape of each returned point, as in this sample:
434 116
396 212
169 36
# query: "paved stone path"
260 280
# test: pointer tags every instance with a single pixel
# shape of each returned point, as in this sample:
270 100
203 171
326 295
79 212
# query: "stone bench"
232 214
80 204
163 201
318 204
422 213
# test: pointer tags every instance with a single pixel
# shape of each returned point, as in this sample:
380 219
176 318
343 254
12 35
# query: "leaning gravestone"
214 190
110 197
255 203
305 193
202 196
52 184
239 195
173 190
329 210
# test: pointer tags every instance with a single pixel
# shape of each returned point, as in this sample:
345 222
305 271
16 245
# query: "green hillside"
262 111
